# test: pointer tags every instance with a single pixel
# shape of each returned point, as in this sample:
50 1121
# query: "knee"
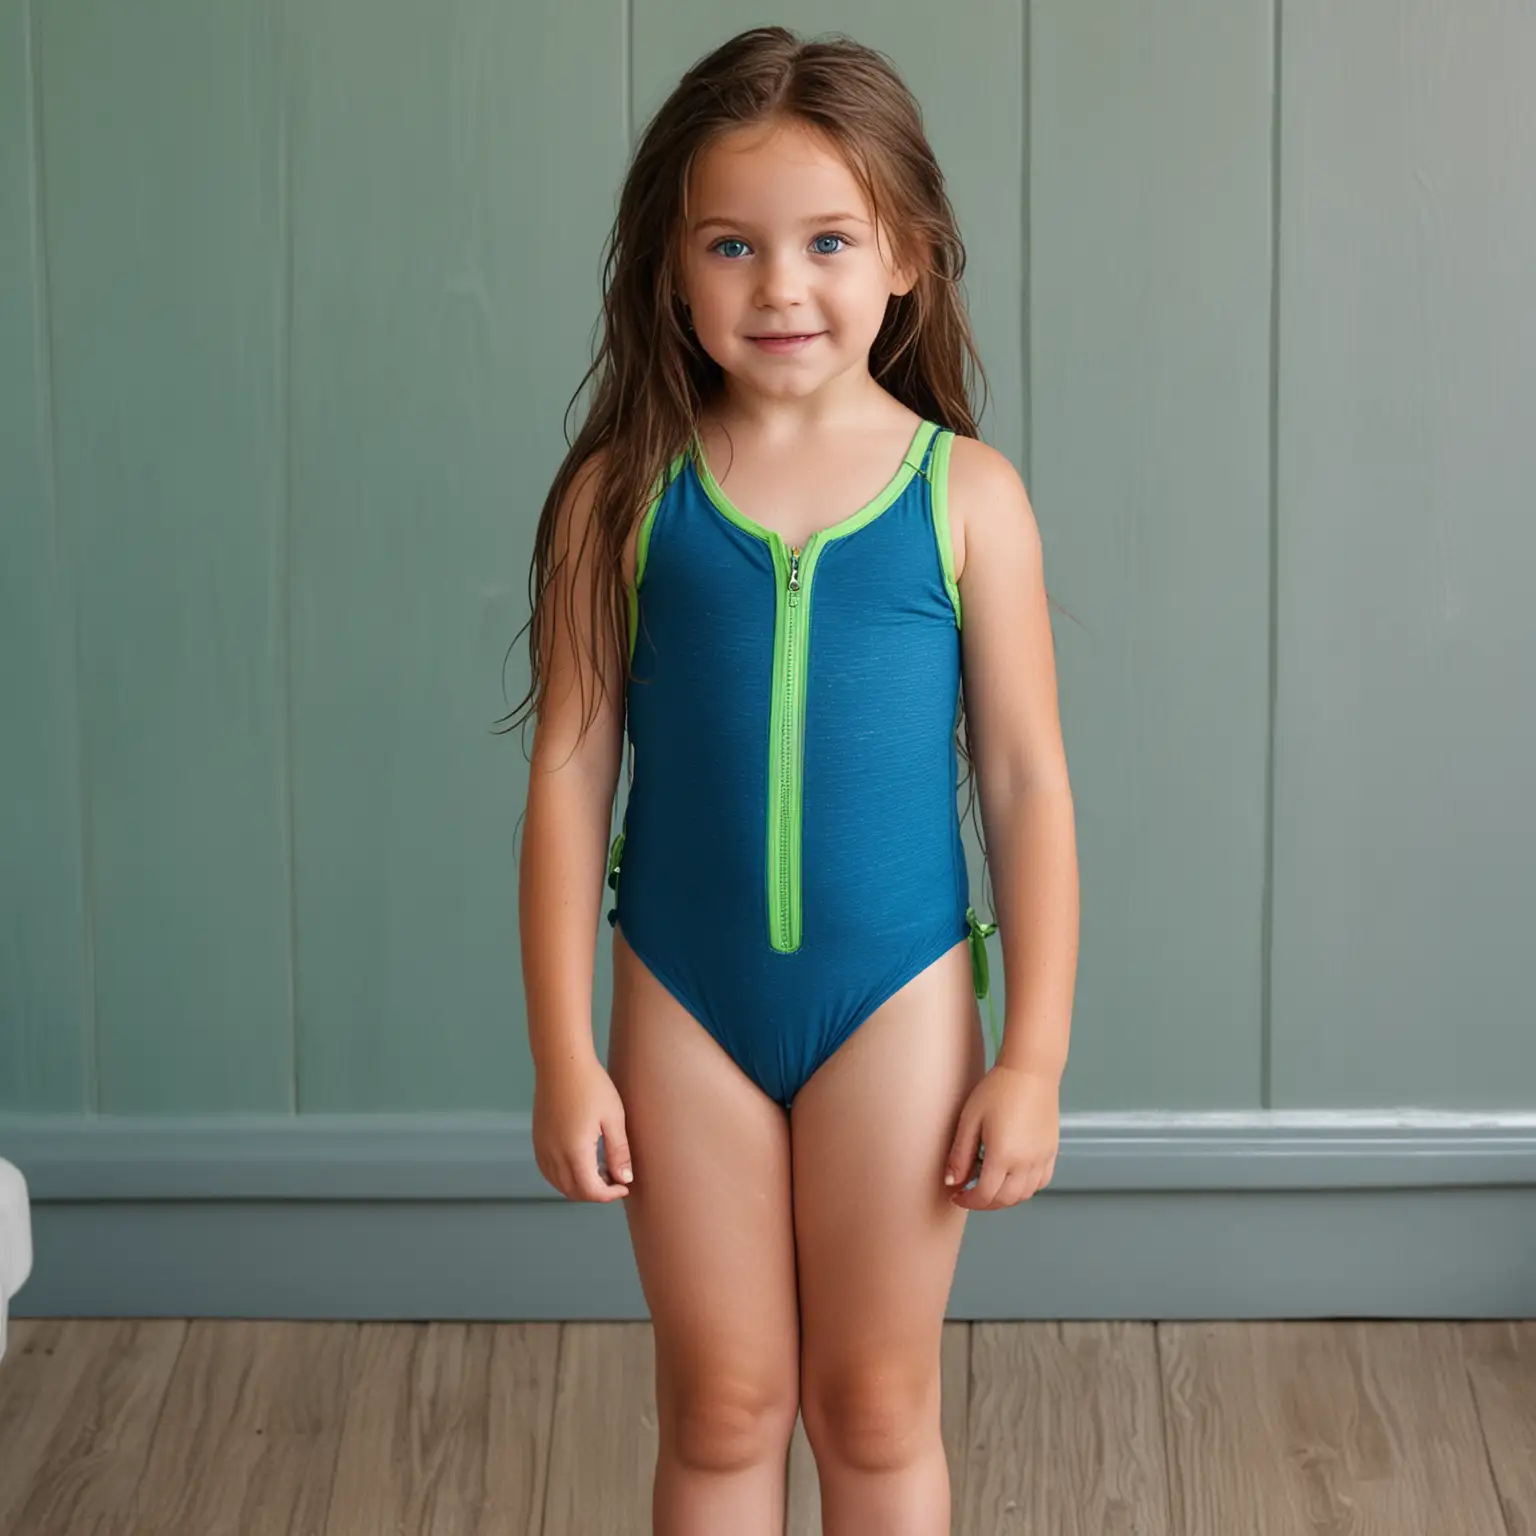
875 1418
717 1425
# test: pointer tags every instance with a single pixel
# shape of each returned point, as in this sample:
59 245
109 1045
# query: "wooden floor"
1055 1429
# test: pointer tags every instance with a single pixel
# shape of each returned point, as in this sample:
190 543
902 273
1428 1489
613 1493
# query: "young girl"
770 555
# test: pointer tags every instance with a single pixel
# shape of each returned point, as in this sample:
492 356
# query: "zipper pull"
794 570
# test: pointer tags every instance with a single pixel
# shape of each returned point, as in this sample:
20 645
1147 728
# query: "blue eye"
816 244
729 240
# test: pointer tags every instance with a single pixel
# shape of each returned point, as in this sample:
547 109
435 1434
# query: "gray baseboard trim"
1451 1253
1408 1214
484 1157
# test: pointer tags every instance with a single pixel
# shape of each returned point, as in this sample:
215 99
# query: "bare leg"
878 1243
710 1219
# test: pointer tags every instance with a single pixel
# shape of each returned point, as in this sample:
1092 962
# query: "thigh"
877 1235
709 1210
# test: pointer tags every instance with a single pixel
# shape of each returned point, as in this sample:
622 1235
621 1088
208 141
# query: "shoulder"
587 477
579 496
575 514
988 505
577 510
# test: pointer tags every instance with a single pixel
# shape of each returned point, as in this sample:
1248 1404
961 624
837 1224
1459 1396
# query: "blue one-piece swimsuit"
791 852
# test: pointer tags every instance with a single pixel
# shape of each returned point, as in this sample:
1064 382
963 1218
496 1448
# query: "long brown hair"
652 379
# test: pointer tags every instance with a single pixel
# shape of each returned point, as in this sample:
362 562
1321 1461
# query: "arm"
572 779
1016 746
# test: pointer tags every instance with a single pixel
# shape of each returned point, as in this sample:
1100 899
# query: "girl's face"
785 274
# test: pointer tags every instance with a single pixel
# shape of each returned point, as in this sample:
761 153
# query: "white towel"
15 1239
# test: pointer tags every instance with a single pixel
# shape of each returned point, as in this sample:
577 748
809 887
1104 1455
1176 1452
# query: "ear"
904 274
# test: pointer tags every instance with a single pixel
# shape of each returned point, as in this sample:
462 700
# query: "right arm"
571 787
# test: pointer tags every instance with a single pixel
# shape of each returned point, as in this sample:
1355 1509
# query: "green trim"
938 485
850 524
787 690
643 547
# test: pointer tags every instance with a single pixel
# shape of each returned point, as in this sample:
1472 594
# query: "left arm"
1015 742
1012 1117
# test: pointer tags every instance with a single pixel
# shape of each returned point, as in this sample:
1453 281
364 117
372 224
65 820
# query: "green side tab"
615 859
981 978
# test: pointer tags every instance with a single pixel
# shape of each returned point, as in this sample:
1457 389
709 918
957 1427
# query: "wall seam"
1267 914
1026 451
67 586
284 562
628 75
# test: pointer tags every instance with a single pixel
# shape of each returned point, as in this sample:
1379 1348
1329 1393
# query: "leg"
878 1241
709 1216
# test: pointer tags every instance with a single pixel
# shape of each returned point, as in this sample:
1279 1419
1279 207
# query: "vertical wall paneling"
453 175
1405 874
1149 294
165 296
44 961
294 293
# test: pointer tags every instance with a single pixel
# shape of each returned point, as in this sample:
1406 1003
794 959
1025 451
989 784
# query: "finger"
962 1153
589 1182
616 1150
1018 1186
966 1198
966 1185
993 1173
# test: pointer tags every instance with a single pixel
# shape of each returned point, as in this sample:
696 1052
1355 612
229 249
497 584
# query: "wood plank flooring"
210 1428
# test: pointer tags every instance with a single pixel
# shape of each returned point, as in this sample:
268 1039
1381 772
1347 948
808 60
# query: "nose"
780 281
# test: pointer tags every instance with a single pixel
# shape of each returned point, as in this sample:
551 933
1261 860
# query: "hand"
571 1106
1016 1117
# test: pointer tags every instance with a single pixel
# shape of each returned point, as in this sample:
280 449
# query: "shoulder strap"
938 495
643 544
927 434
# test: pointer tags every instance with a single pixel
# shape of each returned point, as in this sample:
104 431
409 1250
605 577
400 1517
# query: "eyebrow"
815 218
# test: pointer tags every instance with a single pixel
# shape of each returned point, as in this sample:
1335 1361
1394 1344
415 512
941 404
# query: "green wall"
293 294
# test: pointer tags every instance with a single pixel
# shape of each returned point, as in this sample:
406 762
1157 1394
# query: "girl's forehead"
777 169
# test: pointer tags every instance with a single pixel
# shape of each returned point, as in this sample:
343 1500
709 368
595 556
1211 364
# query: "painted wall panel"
1149 277
1405 748
163 229
44 950
453 173
292 300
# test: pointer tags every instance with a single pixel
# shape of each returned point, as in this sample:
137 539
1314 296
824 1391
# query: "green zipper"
791 634
786 733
